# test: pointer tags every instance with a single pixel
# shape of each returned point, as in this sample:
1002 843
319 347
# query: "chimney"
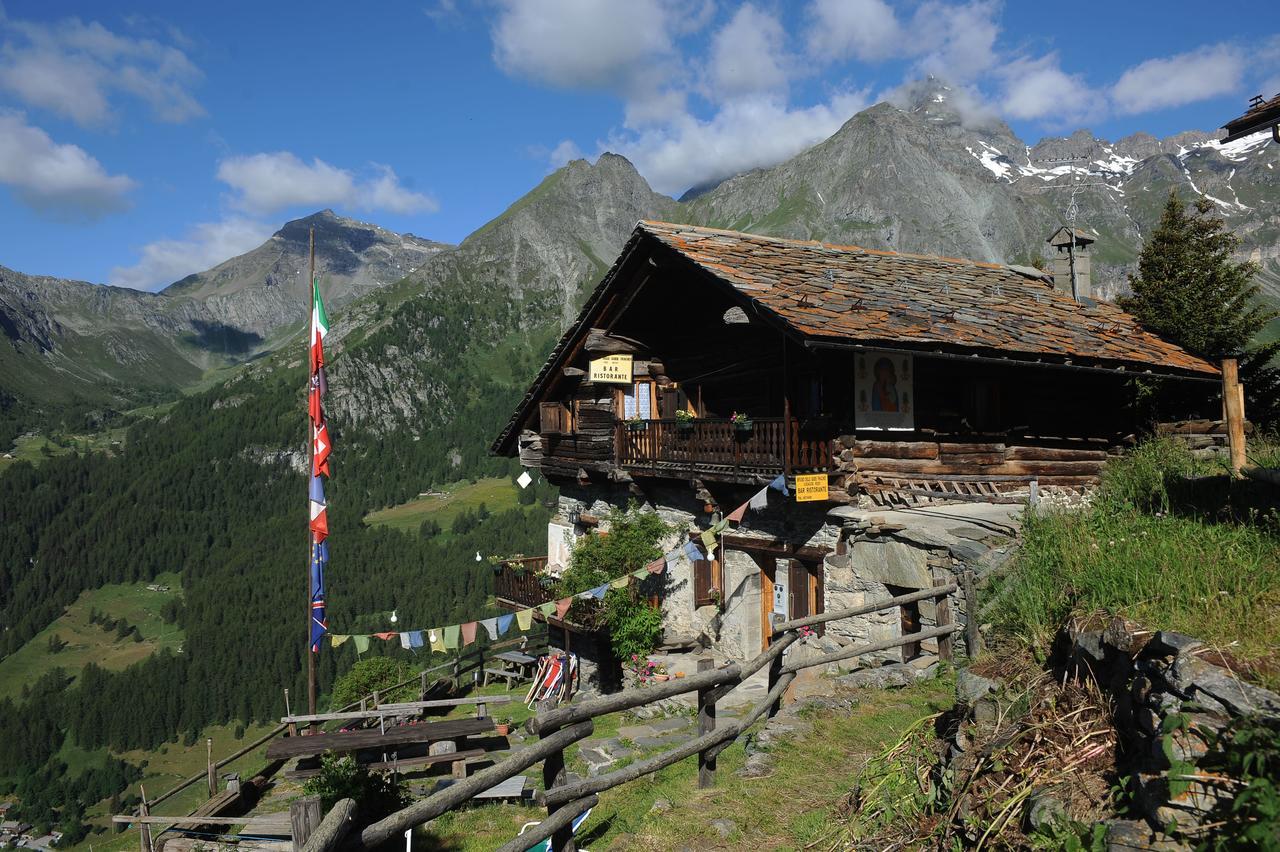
1070 264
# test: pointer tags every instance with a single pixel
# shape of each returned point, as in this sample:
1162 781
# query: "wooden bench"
344 742
511 677
455 757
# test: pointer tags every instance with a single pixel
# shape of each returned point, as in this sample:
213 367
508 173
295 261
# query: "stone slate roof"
865 296
847 294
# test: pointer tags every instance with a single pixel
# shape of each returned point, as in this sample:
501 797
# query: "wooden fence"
559 728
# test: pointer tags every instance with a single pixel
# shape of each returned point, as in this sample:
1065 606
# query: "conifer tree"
1189 289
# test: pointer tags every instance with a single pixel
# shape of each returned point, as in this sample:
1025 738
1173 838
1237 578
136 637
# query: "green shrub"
1140 477
375 793
368 675
1249 751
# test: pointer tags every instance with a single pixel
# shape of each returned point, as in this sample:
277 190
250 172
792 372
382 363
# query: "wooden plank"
348 741
706 724
333 828
1231 393
421 760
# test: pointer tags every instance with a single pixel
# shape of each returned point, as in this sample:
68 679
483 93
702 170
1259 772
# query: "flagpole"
311 656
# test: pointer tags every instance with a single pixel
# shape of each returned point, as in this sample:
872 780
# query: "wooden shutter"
552 418
703 582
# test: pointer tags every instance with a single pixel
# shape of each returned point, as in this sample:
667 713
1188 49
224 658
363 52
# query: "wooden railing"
520 581
765 448
559 728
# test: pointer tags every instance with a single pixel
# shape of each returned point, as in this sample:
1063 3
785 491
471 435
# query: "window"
637 401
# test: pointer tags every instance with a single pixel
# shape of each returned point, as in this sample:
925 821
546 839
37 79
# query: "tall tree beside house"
1190 290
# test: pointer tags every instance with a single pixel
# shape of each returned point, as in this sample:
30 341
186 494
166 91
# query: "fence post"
942 617
211 775
554 775
144 810
972 639
422 690
706 724
305 815
1233 400
775 674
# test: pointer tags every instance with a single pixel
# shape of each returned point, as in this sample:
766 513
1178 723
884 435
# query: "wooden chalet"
708 362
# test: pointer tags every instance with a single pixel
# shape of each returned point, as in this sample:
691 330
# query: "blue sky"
142 141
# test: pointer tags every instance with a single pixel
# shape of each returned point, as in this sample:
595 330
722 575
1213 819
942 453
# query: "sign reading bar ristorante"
811 487
611 368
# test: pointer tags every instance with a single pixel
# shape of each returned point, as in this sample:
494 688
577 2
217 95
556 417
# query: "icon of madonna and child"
883 383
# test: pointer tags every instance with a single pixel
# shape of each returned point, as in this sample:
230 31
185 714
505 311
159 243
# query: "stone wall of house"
872 555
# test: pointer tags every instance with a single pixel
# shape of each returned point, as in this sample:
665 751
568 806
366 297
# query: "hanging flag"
524 619
656 566
759 500
562 607
387 635
709 542
437 640
468 633
780 484
319 511
451 637
415 639
739 513
640 573
490 626
315 392
504 623
319 326
320 449
620 583
362 643
691 550
599 591
404 641
336 639
672 555
547 608
319 624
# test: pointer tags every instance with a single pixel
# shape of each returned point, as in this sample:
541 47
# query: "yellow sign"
810 487
611 368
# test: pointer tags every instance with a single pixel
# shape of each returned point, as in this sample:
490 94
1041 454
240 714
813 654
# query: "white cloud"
748 56
867 30
60 181
582 44
1040 89
205 245
1177 80
73 68
958 40
746 133
273 181
564 152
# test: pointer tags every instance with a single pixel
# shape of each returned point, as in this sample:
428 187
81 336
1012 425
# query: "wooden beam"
333 828
1234 399
865 609
859 650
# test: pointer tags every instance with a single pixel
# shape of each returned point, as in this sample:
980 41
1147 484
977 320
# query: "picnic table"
515 667
350 741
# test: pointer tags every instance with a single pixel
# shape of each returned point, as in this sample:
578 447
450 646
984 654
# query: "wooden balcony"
518 583
715 447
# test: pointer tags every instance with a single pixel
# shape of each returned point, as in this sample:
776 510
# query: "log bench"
345 742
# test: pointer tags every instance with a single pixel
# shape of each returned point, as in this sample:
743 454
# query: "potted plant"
636 424
502 727
741 422
684 420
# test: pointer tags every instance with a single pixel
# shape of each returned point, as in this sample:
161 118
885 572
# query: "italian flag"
319 327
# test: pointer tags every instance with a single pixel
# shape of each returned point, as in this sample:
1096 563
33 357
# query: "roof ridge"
845 247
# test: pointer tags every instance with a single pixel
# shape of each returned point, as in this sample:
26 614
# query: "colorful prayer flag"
404 641
640 573
319 511
490 626
504 623
524 619
759 500
387 635
547 608
436 638
336 639
468 633
599 591
781 485
319 623
656 566
739 513
691 550
620 583
562 607
319 326
415 639
362 643
451 635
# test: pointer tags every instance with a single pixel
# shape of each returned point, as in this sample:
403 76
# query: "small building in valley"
707 363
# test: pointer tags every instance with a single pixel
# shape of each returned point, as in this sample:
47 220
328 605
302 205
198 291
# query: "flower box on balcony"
637 425
743 426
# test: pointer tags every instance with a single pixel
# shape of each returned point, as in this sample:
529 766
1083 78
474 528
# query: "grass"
789 809
88 642
497 493
1135 552
36 448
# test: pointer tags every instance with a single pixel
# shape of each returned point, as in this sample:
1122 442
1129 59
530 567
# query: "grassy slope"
89 642
786 810
497 493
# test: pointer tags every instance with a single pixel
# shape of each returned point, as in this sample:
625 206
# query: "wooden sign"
611 368
811 487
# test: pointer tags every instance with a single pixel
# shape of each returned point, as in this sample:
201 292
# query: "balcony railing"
709 445
519 581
